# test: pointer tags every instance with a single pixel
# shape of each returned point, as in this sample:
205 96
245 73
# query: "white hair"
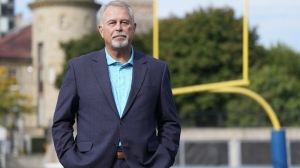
116 3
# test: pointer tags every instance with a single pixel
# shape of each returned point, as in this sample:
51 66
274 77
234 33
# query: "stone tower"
143 10
55 21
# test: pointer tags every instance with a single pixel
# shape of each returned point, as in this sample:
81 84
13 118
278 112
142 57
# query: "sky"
275 20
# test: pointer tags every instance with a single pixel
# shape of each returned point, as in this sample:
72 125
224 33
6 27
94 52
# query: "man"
122 101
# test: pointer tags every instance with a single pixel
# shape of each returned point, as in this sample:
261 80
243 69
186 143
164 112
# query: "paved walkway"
32 161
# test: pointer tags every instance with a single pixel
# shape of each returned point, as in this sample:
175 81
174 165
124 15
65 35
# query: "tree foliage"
12 103
275 76
204 47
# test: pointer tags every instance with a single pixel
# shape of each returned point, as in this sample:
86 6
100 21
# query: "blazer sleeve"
168 126
64 115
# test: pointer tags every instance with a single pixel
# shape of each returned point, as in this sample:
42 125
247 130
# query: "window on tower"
64 22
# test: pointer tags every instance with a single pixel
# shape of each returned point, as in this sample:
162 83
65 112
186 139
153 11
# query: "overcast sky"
276 20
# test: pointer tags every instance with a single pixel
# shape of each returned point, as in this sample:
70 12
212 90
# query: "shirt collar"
111 61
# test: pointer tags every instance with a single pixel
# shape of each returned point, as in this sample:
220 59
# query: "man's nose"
119 26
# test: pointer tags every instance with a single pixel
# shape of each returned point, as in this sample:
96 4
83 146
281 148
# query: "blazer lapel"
100 68
138 75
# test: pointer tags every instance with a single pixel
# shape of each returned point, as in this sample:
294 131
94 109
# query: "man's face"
118 29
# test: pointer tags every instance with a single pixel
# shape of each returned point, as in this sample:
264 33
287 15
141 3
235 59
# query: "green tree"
12 103
203 47
275 76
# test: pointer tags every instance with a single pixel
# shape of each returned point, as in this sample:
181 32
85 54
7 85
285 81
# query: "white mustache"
119 34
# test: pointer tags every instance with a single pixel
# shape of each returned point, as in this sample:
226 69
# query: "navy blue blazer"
148 129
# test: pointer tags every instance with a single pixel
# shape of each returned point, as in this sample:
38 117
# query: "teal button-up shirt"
120 78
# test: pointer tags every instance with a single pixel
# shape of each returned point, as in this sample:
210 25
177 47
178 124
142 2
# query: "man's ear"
134 27
100 29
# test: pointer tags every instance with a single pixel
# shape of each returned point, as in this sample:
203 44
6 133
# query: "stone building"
143 10
55 22
16 57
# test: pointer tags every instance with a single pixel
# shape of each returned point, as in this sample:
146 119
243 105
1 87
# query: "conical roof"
64 0
38 3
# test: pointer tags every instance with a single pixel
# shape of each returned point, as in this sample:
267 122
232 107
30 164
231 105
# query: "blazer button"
121 122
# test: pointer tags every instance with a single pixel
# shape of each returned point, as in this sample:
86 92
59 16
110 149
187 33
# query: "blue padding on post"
278 148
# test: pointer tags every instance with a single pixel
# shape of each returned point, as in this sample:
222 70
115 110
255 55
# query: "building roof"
16 44
40 3
65 0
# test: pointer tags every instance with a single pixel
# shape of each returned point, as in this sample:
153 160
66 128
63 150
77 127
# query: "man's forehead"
114 12
113 9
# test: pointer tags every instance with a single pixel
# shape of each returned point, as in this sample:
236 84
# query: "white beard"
116 43
120 44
